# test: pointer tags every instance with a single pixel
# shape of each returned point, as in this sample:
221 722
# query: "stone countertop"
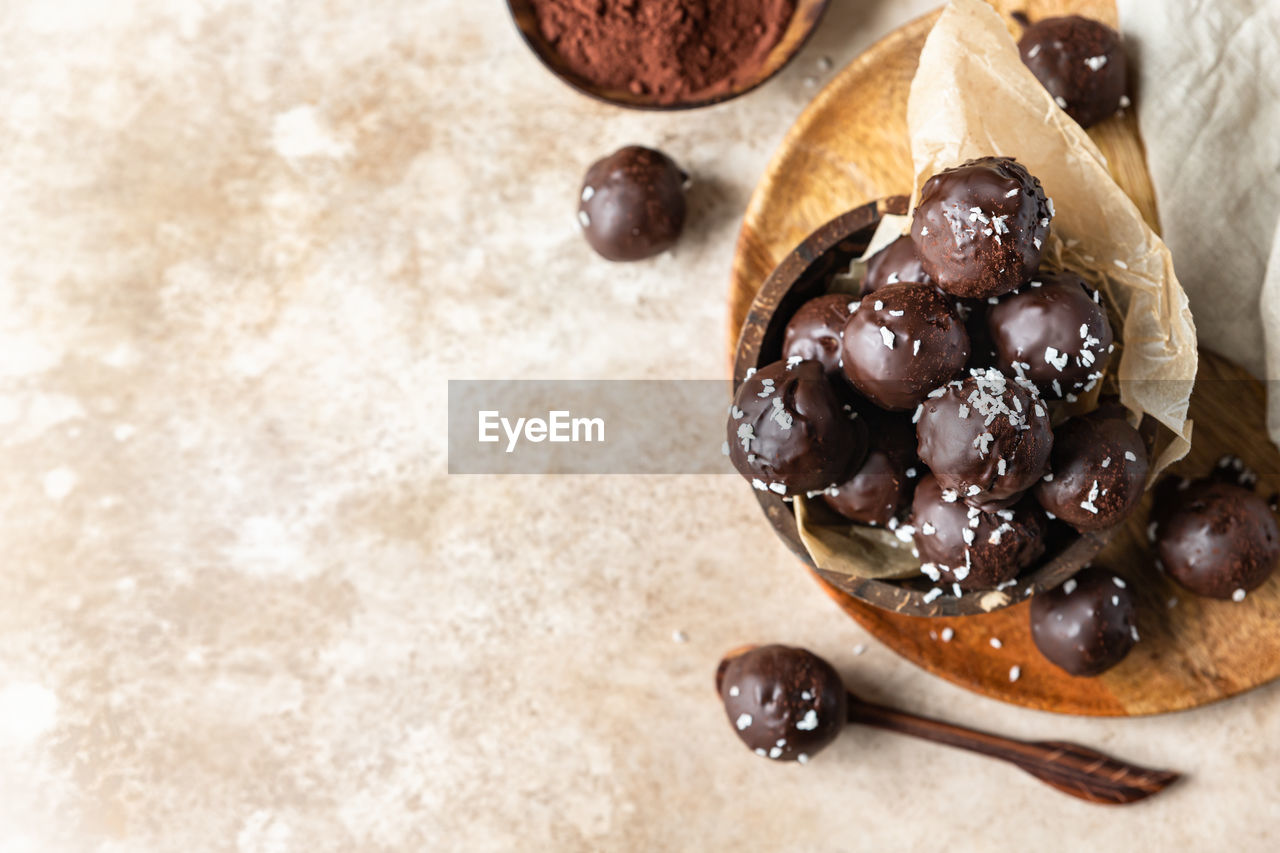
245 244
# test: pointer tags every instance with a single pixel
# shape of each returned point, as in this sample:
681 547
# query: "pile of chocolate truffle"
925 405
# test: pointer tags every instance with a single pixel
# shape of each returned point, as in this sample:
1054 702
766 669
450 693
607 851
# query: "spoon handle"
1076 770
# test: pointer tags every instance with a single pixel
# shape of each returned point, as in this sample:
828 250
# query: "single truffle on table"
788 432
814 331
882 485
1081 63
1087 625
1098 468
902 342
1054 332
1215 539
963 545
986 437
785 703
980 228
632 204
896 263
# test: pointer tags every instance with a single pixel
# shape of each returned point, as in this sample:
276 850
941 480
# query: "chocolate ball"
632 204
895 263
1098 468
980 228
1087 625
964 545
987 437
785 703
1216 539
902 342
789 433
814 331
1054 332
1082 64
882 486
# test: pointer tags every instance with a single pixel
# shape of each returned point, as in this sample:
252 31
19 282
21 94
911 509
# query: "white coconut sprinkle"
1015 672
1034 52
887 337
1118 582
1106 463
1238 595
1088 504
802 758
924 231
995 642
583 219
932 594
950 495
1011 193
588 192
879 306
1095 63
956 590
809 722
743 721
1070 586
948 634
779 488
915 347
860 649
1125 102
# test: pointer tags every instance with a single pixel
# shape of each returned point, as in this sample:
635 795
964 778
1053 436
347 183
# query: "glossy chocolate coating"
814 331
1055 332
901 343
1087 625
789 433
961 544
883 484
987 437
1215 539
632 204
1098 469
895 263
1081 63
980 228
785 703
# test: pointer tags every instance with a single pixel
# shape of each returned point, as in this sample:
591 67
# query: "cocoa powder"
667 50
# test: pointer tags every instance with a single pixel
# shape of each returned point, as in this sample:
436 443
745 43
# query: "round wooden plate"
850 147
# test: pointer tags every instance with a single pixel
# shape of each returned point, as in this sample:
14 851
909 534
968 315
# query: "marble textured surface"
244 608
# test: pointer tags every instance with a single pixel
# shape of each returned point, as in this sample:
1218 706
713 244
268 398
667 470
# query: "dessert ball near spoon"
785 703
1087 625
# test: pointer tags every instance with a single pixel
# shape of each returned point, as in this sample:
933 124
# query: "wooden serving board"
850 147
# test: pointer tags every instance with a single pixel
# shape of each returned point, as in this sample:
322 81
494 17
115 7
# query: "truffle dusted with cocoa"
814 331
986 437
1053 331
1215 539
632 205
980 228
788 433
1098 468
785 703
1087 625
901 342
1081 63
960 544
896 263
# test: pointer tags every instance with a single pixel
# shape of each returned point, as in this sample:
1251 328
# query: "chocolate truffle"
895 263
1086 626
814 331
980 228
883 484
986 437
964 545
1097 470
789 433
785 703
1082 64
1054 332
1216 539
902 342
632 204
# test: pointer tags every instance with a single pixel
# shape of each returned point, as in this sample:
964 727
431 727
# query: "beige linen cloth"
1206 75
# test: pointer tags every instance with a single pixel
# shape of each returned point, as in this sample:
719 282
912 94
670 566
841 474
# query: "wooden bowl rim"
545 55
885 595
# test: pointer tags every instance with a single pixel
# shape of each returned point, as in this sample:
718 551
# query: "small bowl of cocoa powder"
665 54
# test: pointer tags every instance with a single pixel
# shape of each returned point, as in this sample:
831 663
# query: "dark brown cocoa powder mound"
669 50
